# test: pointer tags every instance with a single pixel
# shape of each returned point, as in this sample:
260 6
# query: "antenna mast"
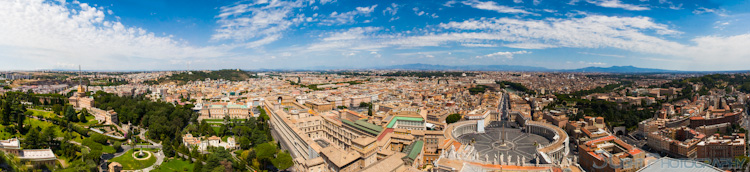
80 83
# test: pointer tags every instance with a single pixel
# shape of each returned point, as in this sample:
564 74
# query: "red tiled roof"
386 131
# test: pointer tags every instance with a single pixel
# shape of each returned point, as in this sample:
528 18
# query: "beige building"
222 110
319 105
80 100
36 157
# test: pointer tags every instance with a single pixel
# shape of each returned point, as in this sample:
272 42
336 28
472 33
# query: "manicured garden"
5 134
90 120
129 162
221 120
42 124
108 149
175 165
45 114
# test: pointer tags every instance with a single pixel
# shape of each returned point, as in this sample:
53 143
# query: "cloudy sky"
280 34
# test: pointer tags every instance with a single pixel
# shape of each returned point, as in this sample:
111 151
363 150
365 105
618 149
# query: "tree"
82 117
248 155
117 145
167 147
369 110
453 118
283 161
99 138
265 151
21 118
32 139
206 129
6 112
198 166
70 114
57 109
217 156
91 164
244 142
364 104
218 169
28 113
48 136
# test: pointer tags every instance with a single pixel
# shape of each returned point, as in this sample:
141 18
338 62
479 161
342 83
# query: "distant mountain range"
613 69
519 68
622 69
420 66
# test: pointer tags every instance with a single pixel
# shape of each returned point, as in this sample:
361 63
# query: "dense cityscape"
374 85
377 120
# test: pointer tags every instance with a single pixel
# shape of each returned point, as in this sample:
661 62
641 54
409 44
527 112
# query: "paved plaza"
517 143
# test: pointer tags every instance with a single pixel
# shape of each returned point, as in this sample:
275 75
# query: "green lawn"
108 149
213 120
216 129
46 114
33 123
129 163
221 120
90 120
175 165
6 135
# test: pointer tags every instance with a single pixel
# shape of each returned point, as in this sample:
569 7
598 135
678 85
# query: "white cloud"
537 2
592 63
376 54
635 34
353 33
450 3
423 13
617 4
701 10
45 34
517 1
366 10
260 22
352 39
504 54
588 32
327 1
730 50
348 17
721 24
392 10
675 7
478 45
606 55
493 6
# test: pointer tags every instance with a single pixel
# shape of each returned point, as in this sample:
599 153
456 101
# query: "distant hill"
613 69
620 69
420 66
182 78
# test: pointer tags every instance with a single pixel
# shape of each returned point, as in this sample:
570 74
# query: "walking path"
159 153
159 160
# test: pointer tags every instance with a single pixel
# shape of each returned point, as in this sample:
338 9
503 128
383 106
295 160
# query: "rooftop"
414 149
401 118
33 154
339 157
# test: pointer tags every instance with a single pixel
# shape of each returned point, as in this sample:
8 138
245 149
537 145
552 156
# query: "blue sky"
217 34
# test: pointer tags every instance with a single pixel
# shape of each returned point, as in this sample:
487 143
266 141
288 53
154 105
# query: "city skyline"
172 35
